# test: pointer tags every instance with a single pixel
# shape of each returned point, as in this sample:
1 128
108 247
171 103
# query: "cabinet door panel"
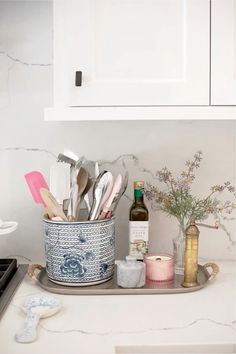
137 52
223 70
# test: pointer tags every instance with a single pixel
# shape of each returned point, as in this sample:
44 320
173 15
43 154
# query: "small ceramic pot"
131 273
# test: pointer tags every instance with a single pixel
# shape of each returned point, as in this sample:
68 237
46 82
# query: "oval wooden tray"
111 288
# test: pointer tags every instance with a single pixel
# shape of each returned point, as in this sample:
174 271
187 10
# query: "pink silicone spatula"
36 181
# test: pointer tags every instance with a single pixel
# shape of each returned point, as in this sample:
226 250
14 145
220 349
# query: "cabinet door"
223 70
133 52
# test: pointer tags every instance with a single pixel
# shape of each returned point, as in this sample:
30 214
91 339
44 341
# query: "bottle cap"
138 184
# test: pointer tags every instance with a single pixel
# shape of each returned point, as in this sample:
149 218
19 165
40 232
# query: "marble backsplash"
29 143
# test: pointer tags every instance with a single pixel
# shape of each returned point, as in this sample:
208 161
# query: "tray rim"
91 290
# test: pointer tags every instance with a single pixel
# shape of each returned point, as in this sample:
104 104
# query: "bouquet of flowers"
177 200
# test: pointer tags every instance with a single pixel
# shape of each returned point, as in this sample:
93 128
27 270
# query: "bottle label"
138 238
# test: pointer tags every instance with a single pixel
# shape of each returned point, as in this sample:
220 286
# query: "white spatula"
60 181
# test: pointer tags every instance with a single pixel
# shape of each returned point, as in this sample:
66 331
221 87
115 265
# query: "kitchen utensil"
99 190
106 193
80 162
69 200
121 192
52 204
87 188
64 158
82 180
87 202
65 206
70 154
57 218
96 169
86 194
90 168
36 308
71 158
112 198
73 194
6 227
60 181
35 181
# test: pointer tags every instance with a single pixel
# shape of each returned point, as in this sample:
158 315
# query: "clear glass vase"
179 250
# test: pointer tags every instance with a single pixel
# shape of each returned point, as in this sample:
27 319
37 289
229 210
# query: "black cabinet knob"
78 78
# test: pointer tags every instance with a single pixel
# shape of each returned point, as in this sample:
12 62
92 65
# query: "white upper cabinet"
144 59
132 52
223 69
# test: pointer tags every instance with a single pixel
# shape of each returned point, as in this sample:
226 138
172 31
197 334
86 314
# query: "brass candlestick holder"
191 253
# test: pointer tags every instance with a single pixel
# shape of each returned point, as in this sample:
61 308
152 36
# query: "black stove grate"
8 268
11 275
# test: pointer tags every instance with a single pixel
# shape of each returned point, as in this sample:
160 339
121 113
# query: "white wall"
28 143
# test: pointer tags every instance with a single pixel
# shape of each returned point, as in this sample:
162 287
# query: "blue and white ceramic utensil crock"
79 253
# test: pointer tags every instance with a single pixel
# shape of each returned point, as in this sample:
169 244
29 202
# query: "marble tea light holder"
159 267
130 273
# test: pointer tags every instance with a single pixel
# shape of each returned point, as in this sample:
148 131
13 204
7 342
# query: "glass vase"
179 251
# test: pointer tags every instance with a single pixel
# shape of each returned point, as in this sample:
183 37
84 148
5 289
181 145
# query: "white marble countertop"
104 324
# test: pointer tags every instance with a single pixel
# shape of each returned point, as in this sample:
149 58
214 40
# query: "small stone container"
131 273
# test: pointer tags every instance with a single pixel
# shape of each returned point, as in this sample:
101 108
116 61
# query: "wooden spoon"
52 204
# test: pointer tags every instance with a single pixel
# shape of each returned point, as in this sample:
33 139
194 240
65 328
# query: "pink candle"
159 267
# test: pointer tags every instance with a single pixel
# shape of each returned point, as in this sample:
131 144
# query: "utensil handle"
109 214
102 215
52 204
48 212
214 269
93 211
77 207
29 332
105 215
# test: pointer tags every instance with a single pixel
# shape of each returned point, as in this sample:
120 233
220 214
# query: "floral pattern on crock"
103 268
89 256
112 240
82 238
72 265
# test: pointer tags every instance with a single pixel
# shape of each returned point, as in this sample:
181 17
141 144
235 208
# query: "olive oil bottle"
138 223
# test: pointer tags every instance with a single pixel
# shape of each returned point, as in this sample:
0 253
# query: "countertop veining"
100 324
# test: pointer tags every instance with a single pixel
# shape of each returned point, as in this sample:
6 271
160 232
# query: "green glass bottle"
138 223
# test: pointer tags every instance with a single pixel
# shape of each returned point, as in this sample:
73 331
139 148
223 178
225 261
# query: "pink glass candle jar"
159 266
